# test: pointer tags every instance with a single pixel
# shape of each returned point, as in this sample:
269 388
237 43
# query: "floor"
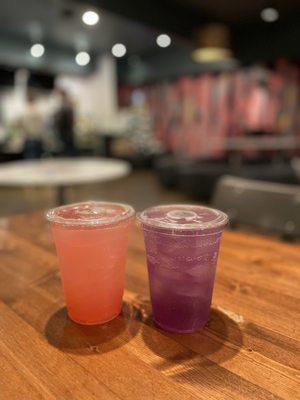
140 189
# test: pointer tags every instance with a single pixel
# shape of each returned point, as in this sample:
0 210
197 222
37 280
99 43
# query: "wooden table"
249 350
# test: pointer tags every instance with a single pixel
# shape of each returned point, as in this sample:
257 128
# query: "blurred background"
152 102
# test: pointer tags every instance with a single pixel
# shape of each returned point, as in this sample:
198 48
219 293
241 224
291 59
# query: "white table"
61 172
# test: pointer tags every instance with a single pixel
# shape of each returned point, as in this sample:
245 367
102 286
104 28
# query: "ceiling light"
90 18
269 14
118 50
82 58
37 50
212 44
211 54
163 40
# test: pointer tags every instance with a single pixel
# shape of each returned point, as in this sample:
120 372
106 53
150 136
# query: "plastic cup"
182 245
91 241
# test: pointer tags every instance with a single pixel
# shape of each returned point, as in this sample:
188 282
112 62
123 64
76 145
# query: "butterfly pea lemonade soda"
91 241
182 245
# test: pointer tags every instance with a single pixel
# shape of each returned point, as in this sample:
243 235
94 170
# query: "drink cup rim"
172 227
53 217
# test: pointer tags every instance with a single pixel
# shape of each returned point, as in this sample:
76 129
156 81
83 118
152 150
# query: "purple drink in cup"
182 245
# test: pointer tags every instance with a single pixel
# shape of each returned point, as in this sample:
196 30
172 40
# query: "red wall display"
196 116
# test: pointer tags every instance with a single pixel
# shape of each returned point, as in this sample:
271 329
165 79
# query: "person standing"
64 123
32 123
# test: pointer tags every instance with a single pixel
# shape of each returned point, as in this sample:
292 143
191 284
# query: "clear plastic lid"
90 213
184 218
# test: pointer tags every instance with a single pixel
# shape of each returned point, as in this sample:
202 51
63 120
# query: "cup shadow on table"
188 357
70 337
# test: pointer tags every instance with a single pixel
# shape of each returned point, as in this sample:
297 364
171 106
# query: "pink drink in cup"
91 240
182 245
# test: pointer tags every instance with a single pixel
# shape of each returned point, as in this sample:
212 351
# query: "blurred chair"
277 172
270 206
296 167
198 181
166 168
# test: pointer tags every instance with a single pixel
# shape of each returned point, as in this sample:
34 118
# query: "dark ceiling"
60 24
239 11
183 16
136 23
252 39
57 23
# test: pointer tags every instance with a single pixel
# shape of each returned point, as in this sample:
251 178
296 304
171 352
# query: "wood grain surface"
249 350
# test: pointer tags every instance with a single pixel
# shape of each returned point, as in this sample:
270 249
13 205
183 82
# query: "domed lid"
90 213
182 217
